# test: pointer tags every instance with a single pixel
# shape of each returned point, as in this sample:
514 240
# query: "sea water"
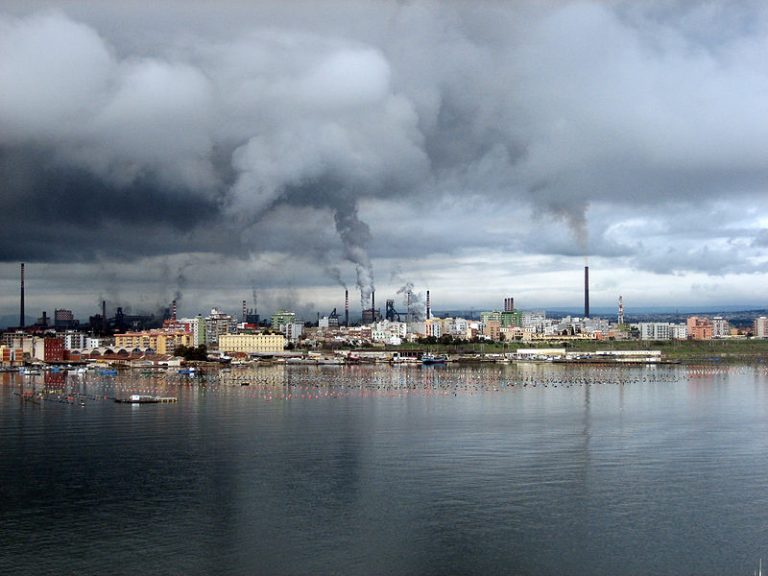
519 469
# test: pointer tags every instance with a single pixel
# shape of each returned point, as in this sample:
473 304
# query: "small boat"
143 399
428 359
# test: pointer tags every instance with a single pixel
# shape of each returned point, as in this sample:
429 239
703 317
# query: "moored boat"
145 399
434 359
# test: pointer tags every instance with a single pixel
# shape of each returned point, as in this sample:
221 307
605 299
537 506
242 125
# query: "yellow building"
162 342
251 343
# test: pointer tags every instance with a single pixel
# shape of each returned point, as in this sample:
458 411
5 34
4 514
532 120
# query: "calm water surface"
529 470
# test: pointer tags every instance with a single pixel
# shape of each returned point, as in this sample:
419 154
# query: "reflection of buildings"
54 379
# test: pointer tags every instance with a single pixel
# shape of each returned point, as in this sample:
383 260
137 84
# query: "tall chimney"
373 305
621 310
346 308
245 312
408 306
586 291
173 310
21 302
429 307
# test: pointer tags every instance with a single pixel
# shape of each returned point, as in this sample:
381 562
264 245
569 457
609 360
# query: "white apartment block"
662 331
760 327
720 327
75 340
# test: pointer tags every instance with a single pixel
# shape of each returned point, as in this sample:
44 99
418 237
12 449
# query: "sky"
280 152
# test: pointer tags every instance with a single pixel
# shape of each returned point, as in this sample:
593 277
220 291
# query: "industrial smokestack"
408 306
509 304
586 291
429 307
621 310
173 311
245 312
21 301
373 305
346 308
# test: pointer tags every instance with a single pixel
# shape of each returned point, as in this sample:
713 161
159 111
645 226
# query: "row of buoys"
379 381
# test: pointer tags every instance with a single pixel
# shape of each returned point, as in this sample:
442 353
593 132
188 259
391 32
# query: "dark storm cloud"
194 127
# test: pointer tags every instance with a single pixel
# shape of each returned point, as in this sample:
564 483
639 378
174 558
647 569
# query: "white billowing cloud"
54 73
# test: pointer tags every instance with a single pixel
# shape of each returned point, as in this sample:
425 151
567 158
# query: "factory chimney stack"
621 310
346 308
21 302
429 307
586 291
173 310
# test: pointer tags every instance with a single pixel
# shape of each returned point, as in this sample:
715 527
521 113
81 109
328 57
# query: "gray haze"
210 151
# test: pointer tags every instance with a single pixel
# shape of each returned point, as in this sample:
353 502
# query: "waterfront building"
492 329
251 343
680 332
699 328
293 331
281 318
10 357
19 341
511 318
492 316
196 327
720 327
74 340
49 349
217 324
433 327
389 331
760 327
92 343
161 341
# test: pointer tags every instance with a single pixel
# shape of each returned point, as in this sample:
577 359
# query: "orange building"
161 341
699 328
